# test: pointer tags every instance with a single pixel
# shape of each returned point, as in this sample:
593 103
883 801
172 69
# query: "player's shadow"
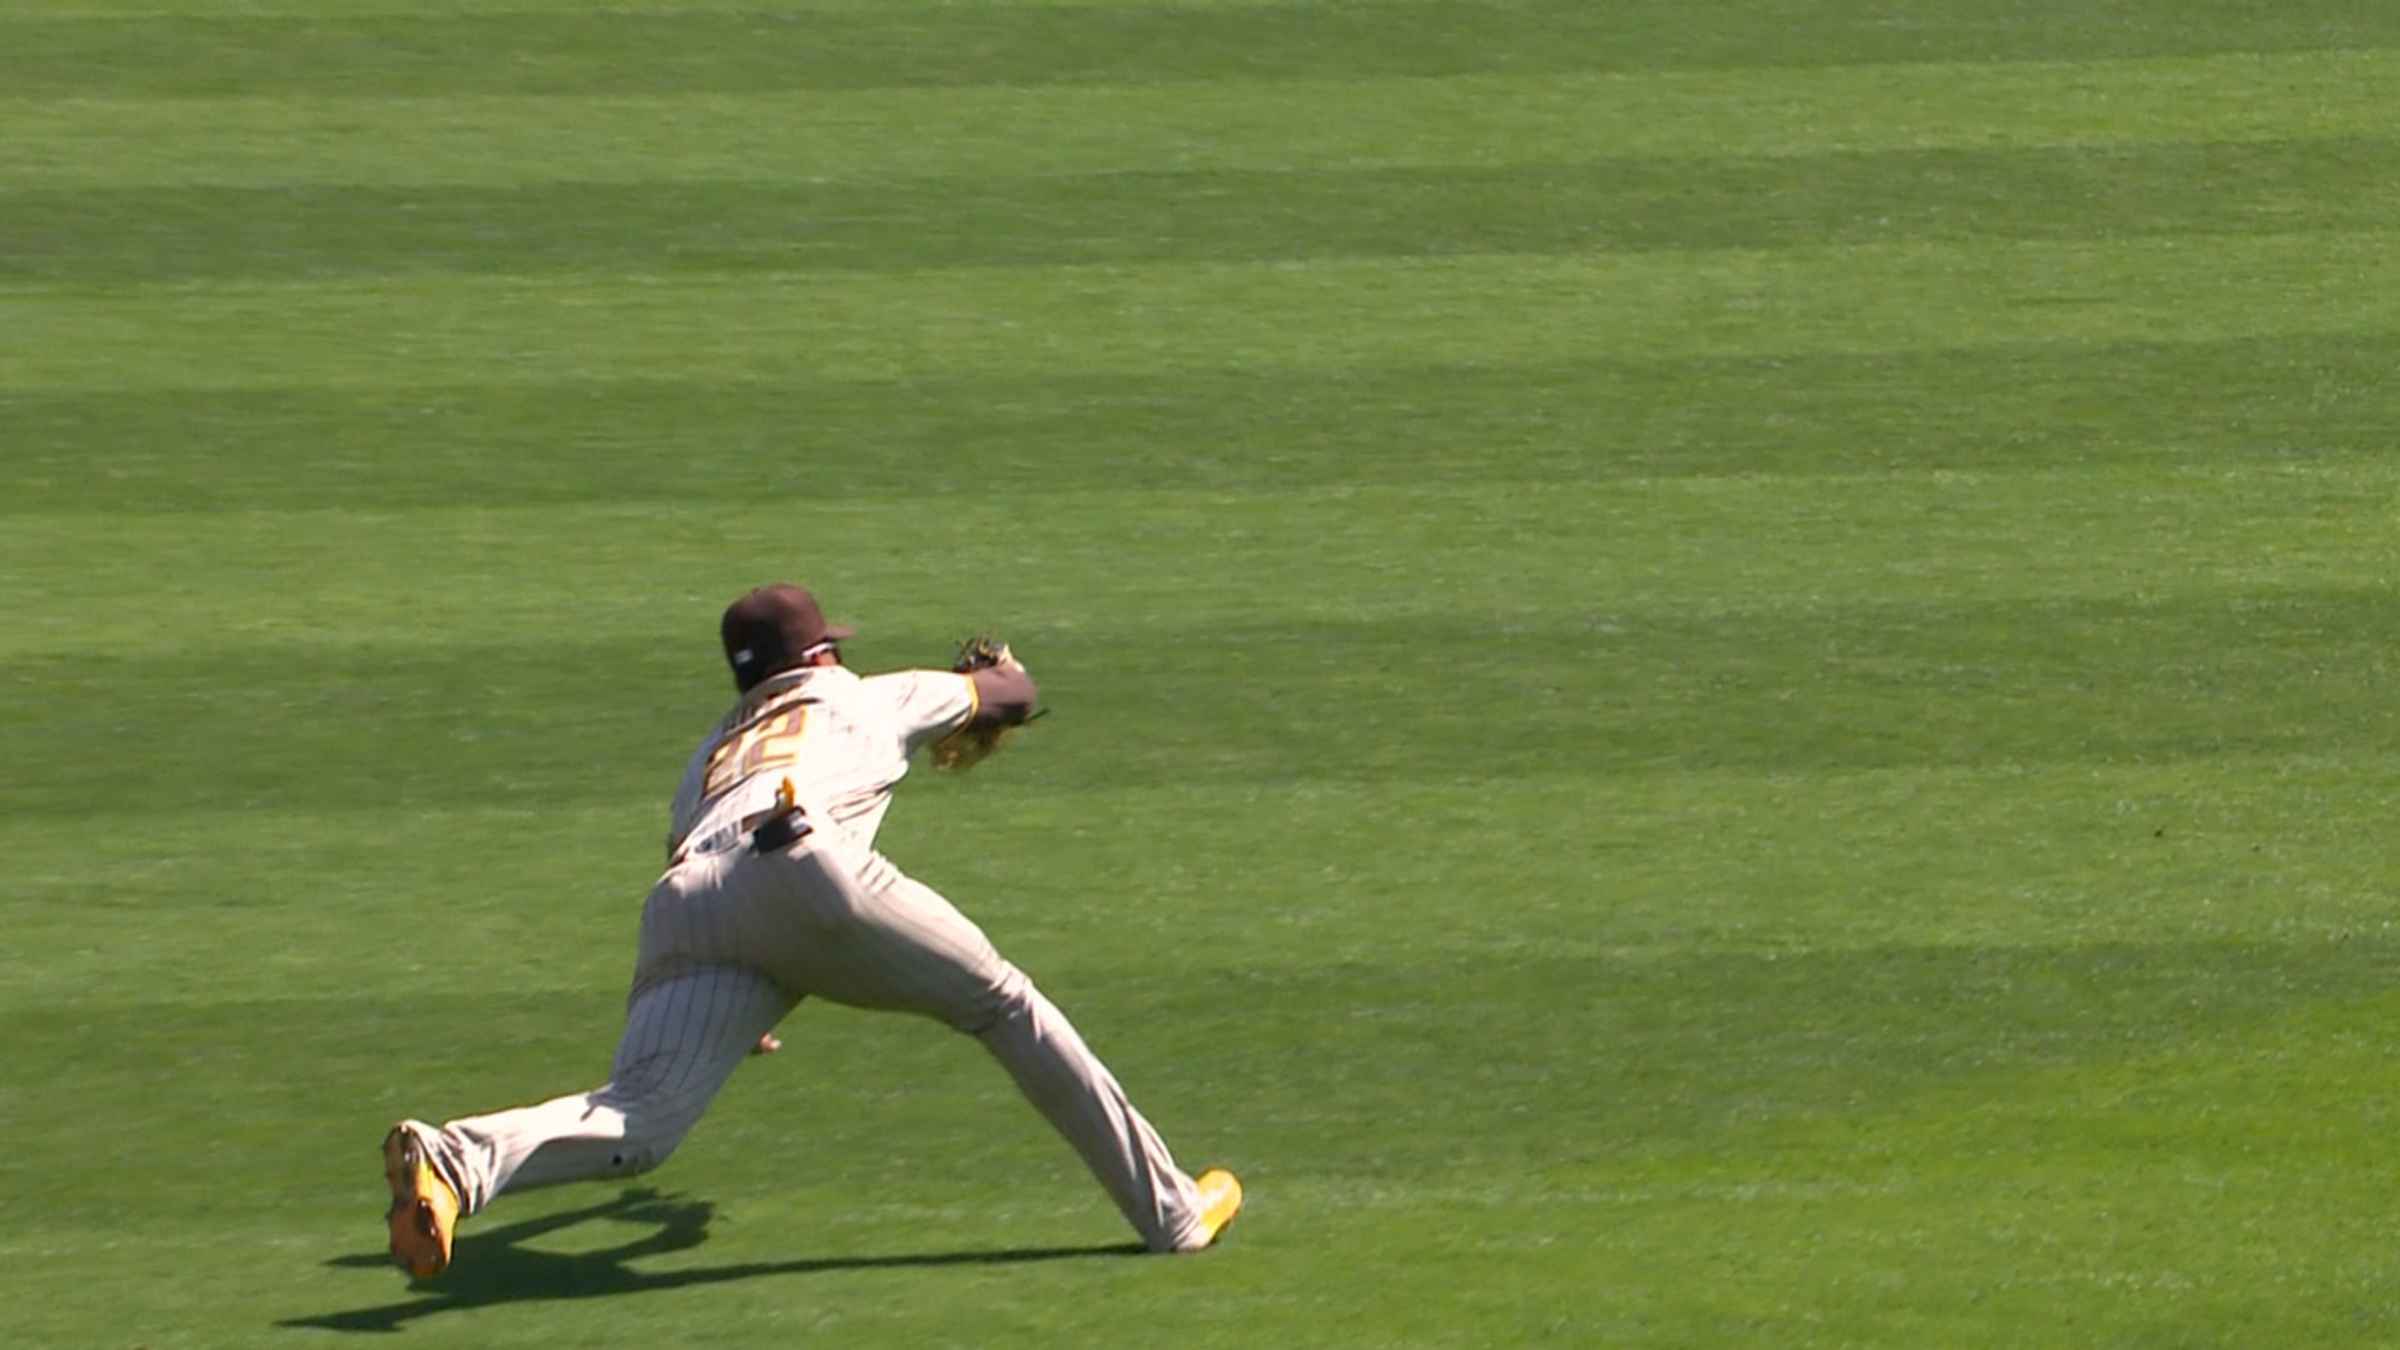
493 1267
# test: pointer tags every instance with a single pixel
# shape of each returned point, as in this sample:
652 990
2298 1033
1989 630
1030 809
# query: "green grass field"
1724 668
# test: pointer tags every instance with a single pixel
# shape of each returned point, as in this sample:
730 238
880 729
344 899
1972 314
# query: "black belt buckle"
780 832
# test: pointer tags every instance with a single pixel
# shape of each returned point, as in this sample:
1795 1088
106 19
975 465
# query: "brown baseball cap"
774 628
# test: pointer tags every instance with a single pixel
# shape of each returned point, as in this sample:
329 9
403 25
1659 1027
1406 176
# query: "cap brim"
839 631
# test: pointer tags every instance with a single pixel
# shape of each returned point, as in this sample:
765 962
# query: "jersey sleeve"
924 705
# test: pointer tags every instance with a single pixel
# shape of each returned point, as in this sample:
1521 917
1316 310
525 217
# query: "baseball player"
774 892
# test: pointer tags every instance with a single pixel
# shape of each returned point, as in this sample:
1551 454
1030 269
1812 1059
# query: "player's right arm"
684 811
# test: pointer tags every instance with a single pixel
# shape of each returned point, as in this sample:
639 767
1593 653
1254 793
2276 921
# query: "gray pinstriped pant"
730 943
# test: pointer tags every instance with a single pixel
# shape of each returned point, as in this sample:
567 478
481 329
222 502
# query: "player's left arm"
936 705
1005 697
924 705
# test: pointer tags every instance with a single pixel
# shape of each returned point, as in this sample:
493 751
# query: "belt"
776 829
770 831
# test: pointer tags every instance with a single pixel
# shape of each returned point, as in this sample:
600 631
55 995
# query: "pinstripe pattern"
683 1038
732 940
851 752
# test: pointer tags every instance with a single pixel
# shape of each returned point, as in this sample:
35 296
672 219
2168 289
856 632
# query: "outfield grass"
1723 671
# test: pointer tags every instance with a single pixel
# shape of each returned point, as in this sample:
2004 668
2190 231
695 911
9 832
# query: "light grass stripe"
1644 801
2304 402
1043 321
1682 549
1297 125
1669 837
435 10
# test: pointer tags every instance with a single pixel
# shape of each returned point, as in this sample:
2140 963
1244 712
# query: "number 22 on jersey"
771 741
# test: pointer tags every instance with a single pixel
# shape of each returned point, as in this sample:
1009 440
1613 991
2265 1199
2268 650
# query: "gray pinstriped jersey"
842 739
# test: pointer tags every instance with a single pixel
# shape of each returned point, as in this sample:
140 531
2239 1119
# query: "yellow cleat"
424 1210
1220 1200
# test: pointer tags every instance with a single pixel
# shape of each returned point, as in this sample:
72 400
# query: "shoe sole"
416 1228
1222 1225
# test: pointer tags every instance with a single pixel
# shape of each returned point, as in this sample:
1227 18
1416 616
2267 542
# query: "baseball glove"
980 652
970 745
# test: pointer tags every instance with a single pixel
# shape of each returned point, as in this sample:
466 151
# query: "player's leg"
684 1036
888 941
1083 1101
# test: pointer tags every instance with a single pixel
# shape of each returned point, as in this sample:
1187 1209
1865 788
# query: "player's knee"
654 1124
630 1161
1008 999
642 1150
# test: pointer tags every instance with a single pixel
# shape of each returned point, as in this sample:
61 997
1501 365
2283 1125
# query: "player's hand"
767 1045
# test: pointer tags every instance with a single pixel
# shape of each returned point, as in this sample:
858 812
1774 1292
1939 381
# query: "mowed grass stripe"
2256 402
1123 575
1158 318
1689 1146
1924 1183
110 236
1347 125
1637 866
1969 1013
2111 1136
1785 688
1899 872
770 47
1882 1071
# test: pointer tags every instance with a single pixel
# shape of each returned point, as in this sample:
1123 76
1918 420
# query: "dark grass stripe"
112 236
2066 404
1595 689
953 45
1720 1026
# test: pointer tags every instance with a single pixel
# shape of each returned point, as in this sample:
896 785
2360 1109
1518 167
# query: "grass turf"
1722 677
